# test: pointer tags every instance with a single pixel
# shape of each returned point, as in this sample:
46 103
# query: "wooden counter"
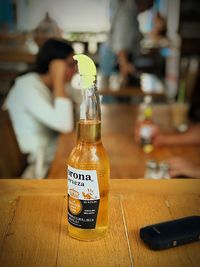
33 224
127 159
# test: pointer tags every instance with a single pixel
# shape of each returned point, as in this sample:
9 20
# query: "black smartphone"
171 233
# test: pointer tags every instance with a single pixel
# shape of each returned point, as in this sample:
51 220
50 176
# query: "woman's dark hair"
51 49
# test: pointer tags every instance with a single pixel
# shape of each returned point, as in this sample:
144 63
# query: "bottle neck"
148 113
90 106
88 131
89 125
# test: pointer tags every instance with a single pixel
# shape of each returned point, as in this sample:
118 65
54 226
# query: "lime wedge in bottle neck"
87 70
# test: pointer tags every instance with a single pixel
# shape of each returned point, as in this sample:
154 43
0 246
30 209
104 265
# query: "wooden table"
127 159
33 224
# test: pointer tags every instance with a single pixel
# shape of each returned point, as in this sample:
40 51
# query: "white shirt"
36 115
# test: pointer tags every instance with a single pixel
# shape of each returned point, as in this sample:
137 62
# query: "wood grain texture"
11 188
142 210
7 209
112 250
33 224
33 235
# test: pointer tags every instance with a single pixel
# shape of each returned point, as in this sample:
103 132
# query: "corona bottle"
88 166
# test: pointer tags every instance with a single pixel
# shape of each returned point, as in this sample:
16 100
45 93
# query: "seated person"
182 167
179 167
159 27
38 102
191 136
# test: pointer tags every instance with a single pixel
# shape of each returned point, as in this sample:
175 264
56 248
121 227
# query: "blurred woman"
179 166
38 102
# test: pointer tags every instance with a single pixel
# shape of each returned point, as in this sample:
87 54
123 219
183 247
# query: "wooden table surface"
33 224
127 159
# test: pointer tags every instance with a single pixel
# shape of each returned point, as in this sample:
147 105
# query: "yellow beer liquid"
89 154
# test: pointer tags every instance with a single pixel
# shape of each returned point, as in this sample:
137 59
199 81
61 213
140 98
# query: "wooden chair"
12 161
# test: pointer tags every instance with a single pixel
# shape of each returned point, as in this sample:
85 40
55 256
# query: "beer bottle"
147 126
88 165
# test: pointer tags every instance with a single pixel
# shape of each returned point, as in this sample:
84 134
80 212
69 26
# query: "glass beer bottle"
146 126
88 173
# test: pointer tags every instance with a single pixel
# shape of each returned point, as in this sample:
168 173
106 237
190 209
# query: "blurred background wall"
76 15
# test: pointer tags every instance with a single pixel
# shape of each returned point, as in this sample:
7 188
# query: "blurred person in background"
190 137
178 166
38 102
122 47
159 26
181 166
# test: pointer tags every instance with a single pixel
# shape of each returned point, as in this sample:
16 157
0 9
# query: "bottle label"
146 133
83 198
